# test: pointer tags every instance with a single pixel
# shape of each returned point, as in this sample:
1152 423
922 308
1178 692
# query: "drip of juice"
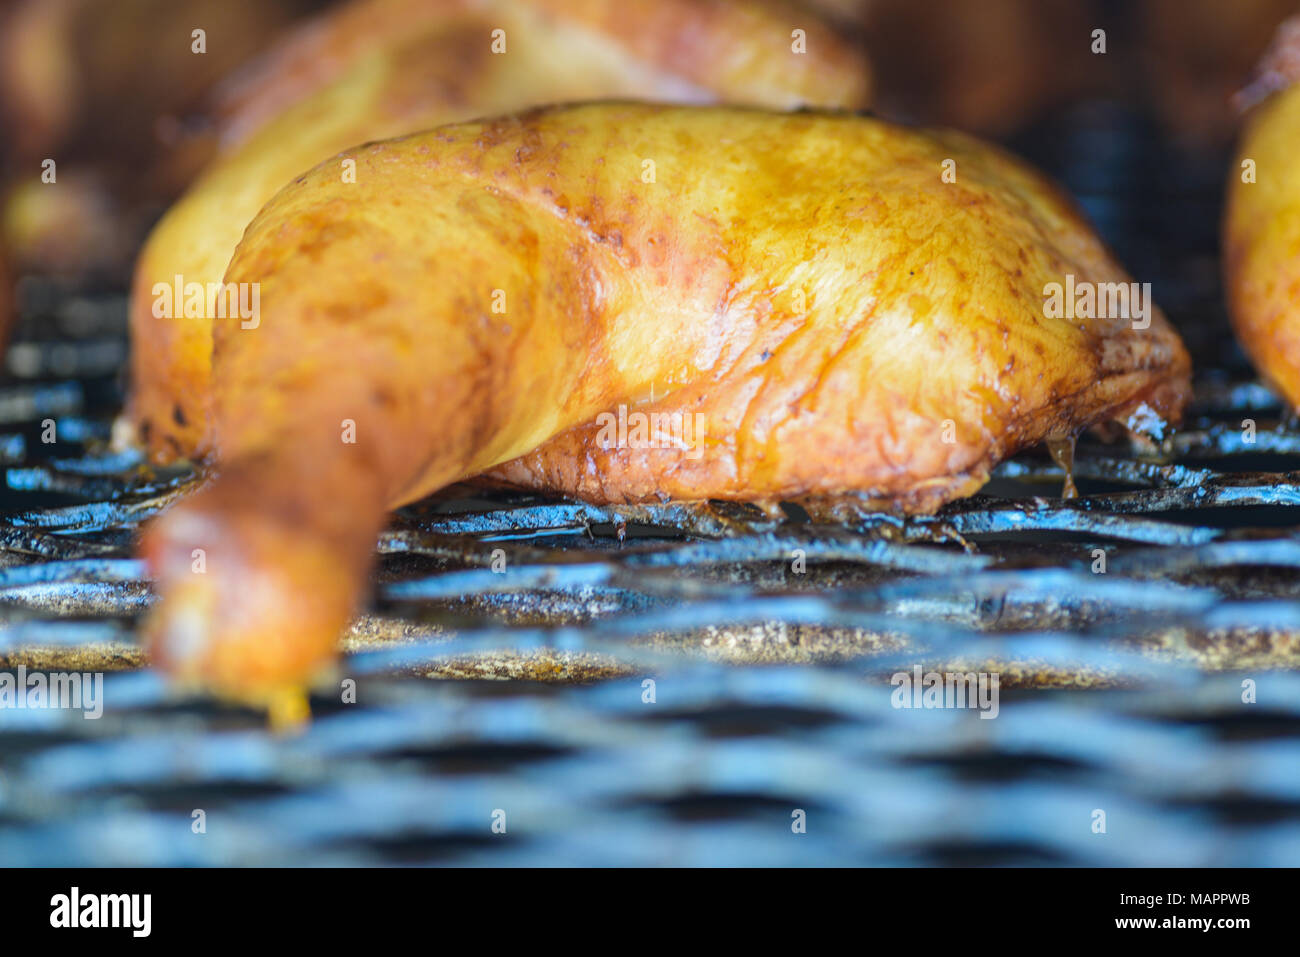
1062 453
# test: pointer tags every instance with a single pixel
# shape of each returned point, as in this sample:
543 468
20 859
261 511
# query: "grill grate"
769 685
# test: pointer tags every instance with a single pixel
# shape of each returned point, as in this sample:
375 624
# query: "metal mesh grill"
1122 688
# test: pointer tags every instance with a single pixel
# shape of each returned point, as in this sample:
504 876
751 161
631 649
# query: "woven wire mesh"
1122 688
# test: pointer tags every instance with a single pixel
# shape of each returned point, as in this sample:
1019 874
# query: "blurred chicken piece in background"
104 89
6 298
1261 227
994 66
988 67
1199 54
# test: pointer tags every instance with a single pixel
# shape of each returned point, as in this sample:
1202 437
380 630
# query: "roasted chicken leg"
844 317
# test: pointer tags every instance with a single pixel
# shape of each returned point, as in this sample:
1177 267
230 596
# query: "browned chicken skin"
843 320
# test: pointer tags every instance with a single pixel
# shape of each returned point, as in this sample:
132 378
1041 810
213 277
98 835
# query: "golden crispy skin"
847 321
378 68
1261 236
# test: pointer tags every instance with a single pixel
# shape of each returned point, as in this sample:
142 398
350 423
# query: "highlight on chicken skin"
848 306
374 69
1261 238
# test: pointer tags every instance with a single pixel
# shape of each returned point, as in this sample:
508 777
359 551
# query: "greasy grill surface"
1122 688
